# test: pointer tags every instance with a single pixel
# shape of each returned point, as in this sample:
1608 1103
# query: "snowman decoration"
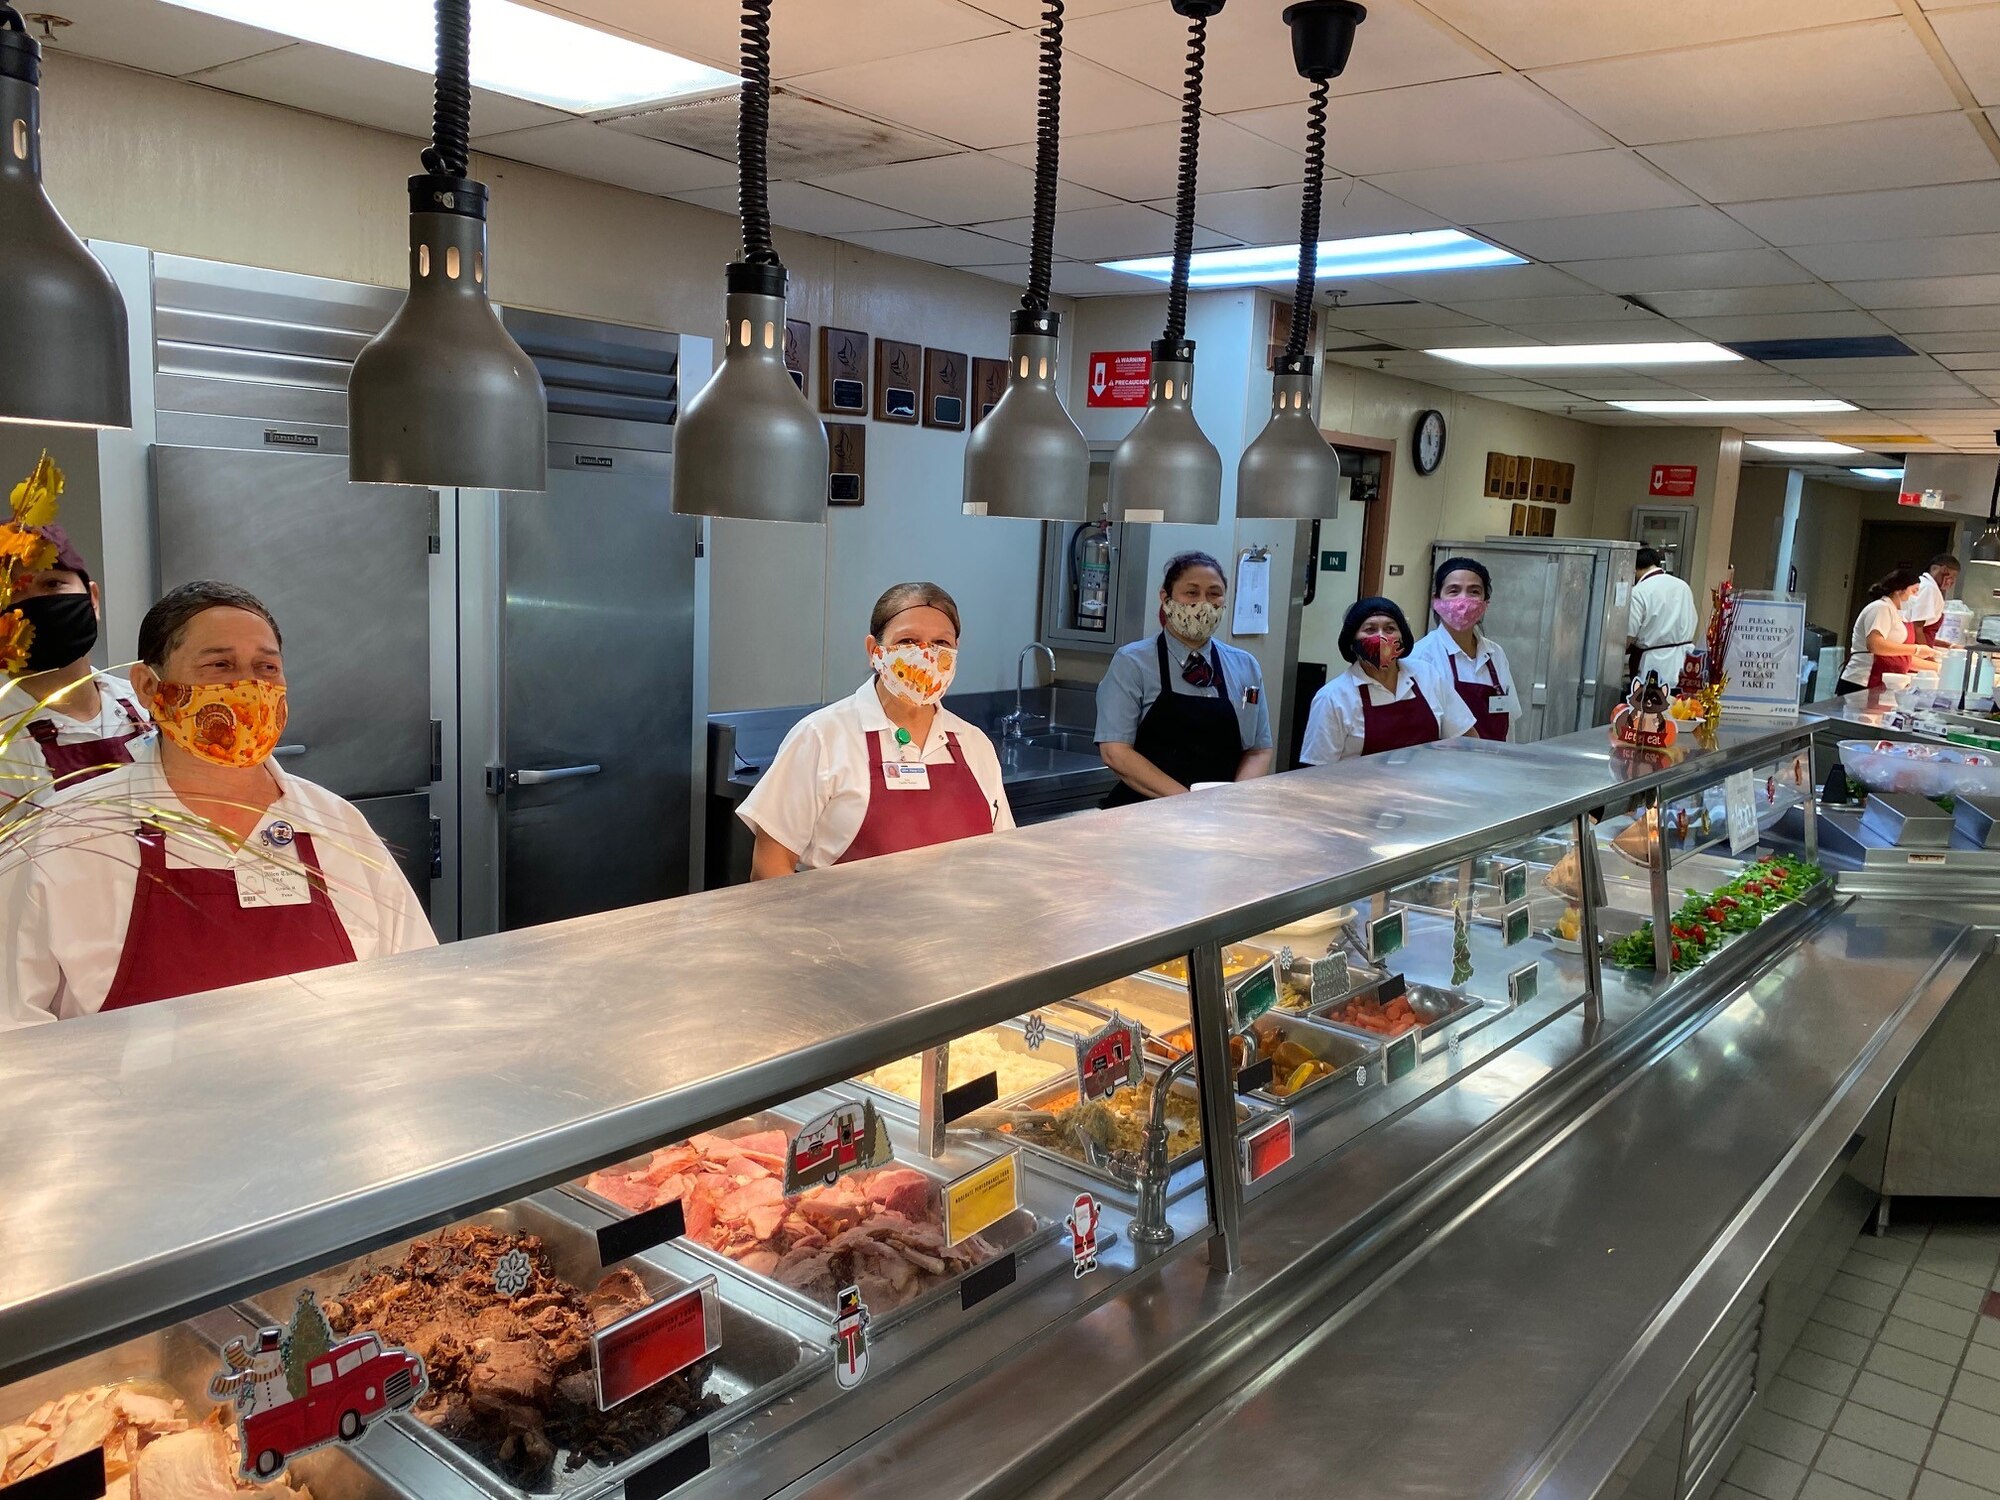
850 1339
255 1378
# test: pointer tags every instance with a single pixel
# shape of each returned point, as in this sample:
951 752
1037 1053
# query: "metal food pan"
1440 1016
180 1359
1238 959
1011 1037
1355 1056
1156 1002
1184 1088
759 1360
1020 1231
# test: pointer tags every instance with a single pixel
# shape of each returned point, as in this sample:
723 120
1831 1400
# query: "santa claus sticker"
296 1389
1082 1222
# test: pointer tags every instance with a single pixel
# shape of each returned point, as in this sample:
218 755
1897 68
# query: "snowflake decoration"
1037 1032
512 1272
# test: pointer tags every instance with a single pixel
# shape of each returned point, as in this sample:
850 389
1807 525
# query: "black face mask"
65 629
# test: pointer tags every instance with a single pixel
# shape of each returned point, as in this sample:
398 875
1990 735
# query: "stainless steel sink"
1075 741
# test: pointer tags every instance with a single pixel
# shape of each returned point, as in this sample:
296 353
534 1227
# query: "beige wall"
150 161
1626 456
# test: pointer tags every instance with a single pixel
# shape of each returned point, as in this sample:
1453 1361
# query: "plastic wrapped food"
1928 770
971 1057
154 1449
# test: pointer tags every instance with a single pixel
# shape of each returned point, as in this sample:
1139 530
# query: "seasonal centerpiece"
24 549
1698 694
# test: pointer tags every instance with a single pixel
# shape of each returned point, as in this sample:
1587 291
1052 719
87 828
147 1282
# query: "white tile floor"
1893 1392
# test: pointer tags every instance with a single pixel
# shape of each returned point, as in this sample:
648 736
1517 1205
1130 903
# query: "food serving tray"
1442 1015
1057 1053
1354 1056
1019 1232
1042 1098
763 1354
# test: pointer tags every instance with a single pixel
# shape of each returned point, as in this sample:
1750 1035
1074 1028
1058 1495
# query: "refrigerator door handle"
1541 695
286 752
555 773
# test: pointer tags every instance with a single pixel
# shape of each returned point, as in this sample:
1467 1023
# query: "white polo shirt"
1442 653
69 890
1335 728
1663 622
814 794
1926 605
24 772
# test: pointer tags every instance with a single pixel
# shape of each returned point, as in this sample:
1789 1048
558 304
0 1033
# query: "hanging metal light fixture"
1987 548
1167 469
748 446
1027 458
443 396
63 347
1289 472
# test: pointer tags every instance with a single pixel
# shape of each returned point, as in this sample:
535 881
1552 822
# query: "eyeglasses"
1196 672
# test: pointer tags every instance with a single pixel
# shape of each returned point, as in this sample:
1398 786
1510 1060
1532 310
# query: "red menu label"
1267 1148
1120 377
637 1353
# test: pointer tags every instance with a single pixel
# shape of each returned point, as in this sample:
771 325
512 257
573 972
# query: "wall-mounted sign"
1118 377
1676 480
843 372
846 463
899 373
798 340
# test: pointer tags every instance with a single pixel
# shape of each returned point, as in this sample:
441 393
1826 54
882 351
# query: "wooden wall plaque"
1496 476
798 347
899 379
846 463
944 389
989 383
843 372
1565 484
1540 475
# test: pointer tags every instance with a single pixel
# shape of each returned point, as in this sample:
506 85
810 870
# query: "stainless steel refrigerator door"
597 671
345 568
1525 591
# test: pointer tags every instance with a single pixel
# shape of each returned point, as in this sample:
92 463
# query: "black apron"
1189 736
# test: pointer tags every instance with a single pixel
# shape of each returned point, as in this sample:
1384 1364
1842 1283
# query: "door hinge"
437 750
437 847
436 539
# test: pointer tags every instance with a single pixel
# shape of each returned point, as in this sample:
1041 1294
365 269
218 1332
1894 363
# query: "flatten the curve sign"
1120 377
1672 479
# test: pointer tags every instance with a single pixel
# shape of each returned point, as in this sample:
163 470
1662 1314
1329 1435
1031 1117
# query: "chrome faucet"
1011 723
1149 1222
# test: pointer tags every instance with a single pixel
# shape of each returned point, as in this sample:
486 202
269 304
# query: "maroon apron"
188 932
1398 725
955 807
69 764
1476 696
1875 662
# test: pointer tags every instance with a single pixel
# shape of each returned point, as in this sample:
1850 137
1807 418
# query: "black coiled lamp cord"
753 128
1177 290
449 153
1309 203
10 19
1048 134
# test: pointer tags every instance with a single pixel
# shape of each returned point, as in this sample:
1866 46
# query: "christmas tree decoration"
1461 945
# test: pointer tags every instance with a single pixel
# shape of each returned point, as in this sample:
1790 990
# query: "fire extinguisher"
1090 577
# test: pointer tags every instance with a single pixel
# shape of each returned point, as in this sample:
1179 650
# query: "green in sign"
1332 562
1256 994
1385 936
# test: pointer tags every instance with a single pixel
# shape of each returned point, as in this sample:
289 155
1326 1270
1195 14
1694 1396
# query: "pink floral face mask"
1460 611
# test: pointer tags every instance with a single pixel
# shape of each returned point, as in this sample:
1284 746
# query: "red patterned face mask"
228 723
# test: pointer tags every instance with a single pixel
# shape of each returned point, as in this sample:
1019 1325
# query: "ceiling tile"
1540 187
1646 231
1398 316
1862 72
1954 255
583 149
1943 319
1534 33
1813 325
948 247
810 210
1897 213
1972 40
1674 273
804 38
957 189
158 38
1073 280
1599 307
1029 12
1119 232
1808 296
1489 283
1823 159
1494 118
1249 61
1984 361
1144 162
346 87
982 93
1270 216
1609 331
1913 368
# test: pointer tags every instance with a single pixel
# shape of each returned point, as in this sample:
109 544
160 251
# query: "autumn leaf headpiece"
24 548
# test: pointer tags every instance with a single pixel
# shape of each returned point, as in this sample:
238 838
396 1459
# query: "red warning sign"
1672 479
1120 377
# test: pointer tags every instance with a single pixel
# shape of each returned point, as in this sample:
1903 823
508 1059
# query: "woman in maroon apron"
1381 702
1457 649
888 768
1883 640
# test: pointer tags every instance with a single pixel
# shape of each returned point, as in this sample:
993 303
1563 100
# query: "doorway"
1890 544
1343 560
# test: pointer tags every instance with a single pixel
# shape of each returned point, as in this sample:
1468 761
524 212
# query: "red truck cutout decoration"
846 1137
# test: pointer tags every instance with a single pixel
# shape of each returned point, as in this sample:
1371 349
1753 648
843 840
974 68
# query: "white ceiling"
1746 169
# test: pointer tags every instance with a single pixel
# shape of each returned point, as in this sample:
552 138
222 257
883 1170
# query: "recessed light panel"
1785 408
1800 447
1878 473
1377 255
1685 352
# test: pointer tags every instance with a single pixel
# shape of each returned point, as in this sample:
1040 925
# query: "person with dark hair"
1662 621
1460 650
1183 708
1925 608
888 767
61 720
1883 640
203 864
1384 700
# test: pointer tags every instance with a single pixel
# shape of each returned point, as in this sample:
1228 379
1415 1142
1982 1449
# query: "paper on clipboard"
1253 594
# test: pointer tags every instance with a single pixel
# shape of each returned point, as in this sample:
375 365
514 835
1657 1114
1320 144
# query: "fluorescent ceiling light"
1377 255
1750 407
1878 473
1686 352
529 54
1802 447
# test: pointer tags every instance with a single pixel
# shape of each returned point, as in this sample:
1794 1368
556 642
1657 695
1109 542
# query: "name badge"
262 880
901 776
1503 703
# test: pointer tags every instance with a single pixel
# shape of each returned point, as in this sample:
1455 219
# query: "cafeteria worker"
1458 648
1183 707
204 865
888 767
1883 640
1383 701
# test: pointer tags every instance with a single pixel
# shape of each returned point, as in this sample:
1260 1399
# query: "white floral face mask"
917 674
1193 623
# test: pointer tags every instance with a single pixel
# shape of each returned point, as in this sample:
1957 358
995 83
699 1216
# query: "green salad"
1704 922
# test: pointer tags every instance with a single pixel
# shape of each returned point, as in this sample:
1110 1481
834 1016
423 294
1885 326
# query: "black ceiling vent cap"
1875 346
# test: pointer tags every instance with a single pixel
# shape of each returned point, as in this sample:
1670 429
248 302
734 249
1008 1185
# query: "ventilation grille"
808 139
1719 1402
601 369
1877 346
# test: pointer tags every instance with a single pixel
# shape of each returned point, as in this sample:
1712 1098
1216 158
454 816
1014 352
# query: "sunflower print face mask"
917 674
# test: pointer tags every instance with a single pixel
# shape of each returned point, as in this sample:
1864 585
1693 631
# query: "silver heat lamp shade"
1167 470
1026 459
443 396
747 446
63 349
1987 548
1289 472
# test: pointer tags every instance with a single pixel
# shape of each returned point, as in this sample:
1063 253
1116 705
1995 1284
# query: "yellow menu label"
982 1198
